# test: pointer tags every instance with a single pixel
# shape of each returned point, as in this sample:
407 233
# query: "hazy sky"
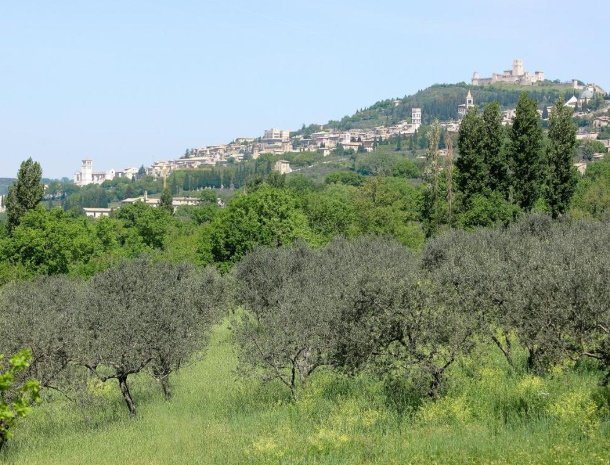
132 81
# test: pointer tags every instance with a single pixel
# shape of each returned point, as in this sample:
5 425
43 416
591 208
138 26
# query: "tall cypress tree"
186 184
166 201
173 185
25 193
433 204
526 154
472 172
561 181
492 150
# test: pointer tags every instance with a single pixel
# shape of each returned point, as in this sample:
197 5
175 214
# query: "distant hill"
4 183
441 101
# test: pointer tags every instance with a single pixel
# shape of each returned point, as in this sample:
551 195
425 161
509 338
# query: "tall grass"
487 415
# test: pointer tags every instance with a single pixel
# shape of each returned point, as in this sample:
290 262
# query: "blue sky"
132 81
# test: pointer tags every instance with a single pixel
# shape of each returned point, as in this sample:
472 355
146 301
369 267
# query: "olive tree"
42 315
560 295
143 314
189 303
284 329
468 265
578 253
352 305
119 305
393 316
541 280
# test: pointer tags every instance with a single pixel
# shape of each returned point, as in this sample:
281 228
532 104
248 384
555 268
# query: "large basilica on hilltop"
516 75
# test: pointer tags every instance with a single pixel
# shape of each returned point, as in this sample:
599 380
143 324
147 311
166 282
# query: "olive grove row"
364 304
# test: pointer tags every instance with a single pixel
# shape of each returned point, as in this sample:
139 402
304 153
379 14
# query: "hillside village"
327 139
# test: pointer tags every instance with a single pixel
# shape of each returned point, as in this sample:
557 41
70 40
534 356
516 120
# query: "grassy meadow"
487 416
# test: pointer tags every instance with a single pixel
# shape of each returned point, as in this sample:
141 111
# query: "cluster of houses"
280 141
587 94
276 141
575 102
86 175
153 202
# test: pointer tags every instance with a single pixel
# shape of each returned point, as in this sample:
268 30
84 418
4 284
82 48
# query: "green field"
488 416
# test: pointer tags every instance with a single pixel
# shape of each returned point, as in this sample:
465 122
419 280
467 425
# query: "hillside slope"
441 101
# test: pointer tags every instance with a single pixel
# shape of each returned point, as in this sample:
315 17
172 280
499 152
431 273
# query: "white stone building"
282 166
97 212
277 134
416 117
86 175
463 108
516 75
128 173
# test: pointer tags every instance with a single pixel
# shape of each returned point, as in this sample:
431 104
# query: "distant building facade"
572 102
128 173
282 166
463 108
155 202
276 135
97 212
416 117
516 75
87 176
152 202
2 203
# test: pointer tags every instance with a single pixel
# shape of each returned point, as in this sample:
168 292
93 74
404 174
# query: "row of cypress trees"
520 164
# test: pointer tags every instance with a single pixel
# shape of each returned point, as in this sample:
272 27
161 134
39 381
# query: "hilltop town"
364 139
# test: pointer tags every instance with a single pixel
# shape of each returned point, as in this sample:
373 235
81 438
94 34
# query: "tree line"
500 172
134 317
372 305
367 304
520 165
282 209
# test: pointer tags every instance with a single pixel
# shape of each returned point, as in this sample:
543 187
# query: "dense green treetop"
526 154
472 170
267 216
560 157
166 201
493 151
25 193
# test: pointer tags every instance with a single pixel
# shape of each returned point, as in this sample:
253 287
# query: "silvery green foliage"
137 315
352 305
189 303
285 330
144 314
42 315
393 317
541 280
